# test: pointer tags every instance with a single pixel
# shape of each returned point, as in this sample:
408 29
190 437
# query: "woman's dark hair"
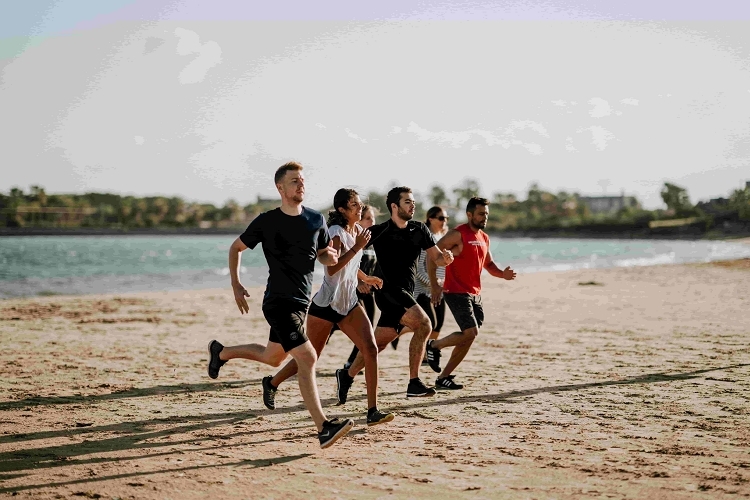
431 214
340 200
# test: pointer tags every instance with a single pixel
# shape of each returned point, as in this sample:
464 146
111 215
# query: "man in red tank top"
471 250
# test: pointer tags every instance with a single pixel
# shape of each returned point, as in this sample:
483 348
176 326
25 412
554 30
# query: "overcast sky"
206 99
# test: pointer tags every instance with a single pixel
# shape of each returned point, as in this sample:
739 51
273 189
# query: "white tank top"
340 290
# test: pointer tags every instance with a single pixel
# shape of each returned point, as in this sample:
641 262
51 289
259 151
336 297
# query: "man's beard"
299 198
404 215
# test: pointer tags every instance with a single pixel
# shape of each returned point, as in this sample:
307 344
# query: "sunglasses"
442 218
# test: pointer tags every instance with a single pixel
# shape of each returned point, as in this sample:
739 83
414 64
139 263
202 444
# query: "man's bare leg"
462 342
358 328
318 331
416 319
305 357
271 354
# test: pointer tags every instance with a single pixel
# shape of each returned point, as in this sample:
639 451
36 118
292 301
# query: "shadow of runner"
58 456
158 390
504 396
257 463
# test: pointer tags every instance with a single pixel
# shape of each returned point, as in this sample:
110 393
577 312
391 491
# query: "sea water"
47 265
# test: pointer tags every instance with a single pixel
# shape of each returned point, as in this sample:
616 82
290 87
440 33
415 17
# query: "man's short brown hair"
394 196
475 202
282 170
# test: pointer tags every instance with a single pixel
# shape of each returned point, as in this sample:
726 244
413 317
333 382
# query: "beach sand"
612 383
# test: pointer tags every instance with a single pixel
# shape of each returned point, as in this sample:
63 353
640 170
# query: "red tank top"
463 275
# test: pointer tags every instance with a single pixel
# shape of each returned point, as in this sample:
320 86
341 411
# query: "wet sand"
613 383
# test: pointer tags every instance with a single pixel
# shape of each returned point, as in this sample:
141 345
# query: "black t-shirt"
290 244
398 251
369 259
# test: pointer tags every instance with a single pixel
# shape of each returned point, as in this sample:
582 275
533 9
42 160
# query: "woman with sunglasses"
336 302
437 223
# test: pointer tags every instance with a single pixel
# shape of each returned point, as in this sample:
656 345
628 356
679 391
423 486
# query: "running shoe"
347 365
269 393
378 417
417 389
447 383
214 362
333 430
433 357
343 384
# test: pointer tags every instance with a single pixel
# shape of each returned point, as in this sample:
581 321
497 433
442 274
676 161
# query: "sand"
615 383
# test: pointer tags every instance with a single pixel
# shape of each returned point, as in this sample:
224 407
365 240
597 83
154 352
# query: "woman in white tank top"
336 301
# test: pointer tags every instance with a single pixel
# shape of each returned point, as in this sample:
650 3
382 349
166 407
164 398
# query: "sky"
204 100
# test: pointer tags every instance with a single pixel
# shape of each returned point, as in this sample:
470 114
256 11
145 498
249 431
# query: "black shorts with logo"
287 321
467 309
393 304
327 313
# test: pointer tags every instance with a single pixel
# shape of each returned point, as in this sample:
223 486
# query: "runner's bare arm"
369 280
491 267
441 255
235 257
359 243
436 288
328 256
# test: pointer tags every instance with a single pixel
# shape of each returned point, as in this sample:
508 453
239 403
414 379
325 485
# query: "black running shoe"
347 365
417 389
333 430
269 393
447 383
214 363
433 357
343 384
378 417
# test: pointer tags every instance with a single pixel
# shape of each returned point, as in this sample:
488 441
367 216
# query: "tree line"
540 210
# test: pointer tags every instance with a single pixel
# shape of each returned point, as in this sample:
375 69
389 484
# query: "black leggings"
435 313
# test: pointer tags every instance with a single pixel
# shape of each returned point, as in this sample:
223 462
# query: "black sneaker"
333 430
447 383
214 363
433 357
347 365
269 393
417 389
378 417
343 383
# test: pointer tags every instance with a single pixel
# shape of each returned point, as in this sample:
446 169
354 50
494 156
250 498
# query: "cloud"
601 108
506 140
139 140
630 101
569 145
209 55
600 136
560 103
351 134
396 130
321 126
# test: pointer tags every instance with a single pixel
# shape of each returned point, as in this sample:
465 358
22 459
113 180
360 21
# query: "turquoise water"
94 264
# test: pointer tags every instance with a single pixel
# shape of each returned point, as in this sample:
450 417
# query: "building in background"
609 204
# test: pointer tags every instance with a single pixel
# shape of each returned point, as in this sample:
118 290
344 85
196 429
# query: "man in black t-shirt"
292 238
398 243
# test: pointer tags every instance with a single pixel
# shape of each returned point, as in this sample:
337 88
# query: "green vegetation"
541 211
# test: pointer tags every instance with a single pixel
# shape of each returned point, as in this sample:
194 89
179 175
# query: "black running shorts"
467 309
327 313
393 304
287 321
